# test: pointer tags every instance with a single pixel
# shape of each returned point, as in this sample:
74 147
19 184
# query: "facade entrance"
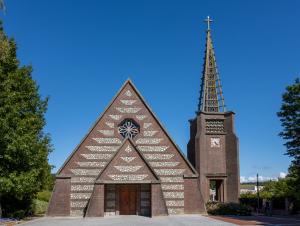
216 190
128 199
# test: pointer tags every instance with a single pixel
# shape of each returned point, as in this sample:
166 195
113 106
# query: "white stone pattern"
153 148
136 177
173 195
172 187
150 133
84 172
116 117
169 171
128 110
109 212
129 169
128 149
97 156
80 195
128 102
110 124
141 117
128 159
164 164
82 180
91 164
158 156
107 132
128 93
76 212
175 202
102 148
78 204
146 125
175 211
171 179
149 140
108 140
82 187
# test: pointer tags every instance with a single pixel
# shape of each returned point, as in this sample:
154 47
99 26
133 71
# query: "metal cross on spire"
208 21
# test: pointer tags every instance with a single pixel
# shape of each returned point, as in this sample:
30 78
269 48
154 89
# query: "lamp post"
257 187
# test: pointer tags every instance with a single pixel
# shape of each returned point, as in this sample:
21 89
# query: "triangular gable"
103 139
128 165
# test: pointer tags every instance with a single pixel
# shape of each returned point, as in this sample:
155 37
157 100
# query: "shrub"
39 207
250 199
16 208
44 196
216 208
19 214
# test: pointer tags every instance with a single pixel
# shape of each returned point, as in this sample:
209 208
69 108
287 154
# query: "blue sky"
83 51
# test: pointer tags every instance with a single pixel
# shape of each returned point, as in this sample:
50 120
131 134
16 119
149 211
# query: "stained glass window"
128 128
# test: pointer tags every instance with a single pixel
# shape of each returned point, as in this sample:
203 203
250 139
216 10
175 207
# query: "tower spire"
211 95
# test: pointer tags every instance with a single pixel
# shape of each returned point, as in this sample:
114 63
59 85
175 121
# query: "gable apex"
128 162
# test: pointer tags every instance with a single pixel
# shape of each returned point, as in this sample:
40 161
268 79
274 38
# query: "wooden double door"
128 199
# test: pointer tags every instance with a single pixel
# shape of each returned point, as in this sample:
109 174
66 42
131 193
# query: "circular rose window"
128 128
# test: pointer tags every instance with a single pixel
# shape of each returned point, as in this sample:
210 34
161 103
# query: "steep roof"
127 85
211 95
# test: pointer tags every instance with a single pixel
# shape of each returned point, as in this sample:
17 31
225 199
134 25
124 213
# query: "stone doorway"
216 190
128 199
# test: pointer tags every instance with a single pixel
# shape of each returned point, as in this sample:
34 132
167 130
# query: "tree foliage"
276 189
289 115
2 5
24 148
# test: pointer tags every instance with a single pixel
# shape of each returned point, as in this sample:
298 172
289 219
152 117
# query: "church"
127 164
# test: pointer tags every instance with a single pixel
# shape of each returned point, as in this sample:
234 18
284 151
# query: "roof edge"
93 126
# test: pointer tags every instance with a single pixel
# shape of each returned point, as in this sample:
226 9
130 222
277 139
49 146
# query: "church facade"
127 164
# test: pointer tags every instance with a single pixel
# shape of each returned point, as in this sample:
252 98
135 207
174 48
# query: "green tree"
2 5
276 189
289 115
24 148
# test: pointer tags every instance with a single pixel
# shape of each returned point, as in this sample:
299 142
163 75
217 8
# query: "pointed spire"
211 96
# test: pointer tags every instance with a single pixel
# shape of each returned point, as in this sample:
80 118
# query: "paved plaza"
182 220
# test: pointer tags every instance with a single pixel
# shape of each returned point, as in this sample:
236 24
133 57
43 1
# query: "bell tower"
213 147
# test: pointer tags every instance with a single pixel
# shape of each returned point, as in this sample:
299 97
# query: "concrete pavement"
178 220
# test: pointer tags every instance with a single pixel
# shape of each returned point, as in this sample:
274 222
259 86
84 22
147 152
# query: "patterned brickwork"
103 144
